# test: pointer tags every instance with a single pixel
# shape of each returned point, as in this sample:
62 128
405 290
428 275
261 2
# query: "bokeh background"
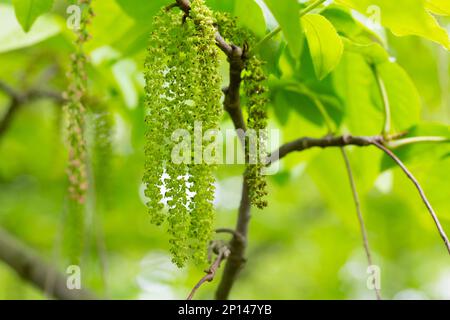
305 245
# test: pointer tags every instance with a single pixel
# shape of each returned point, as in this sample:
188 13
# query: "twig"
211 272
232 232
18 99
385 100
362 226
328 141
185 6
412 140
419 188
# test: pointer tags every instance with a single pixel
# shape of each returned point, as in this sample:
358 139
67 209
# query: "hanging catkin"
183 94
255 91
75 113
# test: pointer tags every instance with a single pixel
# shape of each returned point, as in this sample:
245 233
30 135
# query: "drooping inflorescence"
75 113
255 91
75 110
183 101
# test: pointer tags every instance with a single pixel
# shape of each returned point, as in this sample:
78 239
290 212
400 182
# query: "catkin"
182 89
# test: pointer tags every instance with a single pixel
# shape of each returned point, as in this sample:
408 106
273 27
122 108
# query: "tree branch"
385 100
222 254
228 49
236 259
421 192
32 269
18 99
328 141
345 140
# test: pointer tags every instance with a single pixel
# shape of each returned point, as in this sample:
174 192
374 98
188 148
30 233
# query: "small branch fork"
346 140
222 253
18 99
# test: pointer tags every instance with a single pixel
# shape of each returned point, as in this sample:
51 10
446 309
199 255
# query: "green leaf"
440 7
374 52
220 5
324 43
404 17
356 87
328 172
250 16
141 10
117 35
286 13
27 11
404 100
13 37
348 26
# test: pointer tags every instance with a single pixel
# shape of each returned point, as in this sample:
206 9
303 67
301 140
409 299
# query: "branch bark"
18 99
34 270
222 254
236 259
185 6
328 141
345 140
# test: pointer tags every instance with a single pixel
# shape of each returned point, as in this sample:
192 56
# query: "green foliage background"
306 244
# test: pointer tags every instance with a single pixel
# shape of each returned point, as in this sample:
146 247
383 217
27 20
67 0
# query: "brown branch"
223 253
345 140
236 259
230 231
362 226
18 99
32 269
238 243
419 188
227 48
328 141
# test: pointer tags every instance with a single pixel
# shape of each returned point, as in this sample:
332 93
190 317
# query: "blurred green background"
305 245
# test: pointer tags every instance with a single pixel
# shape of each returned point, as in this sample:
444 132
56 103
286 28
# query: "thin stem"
326 117
277 30
211 272
421 192
413 140
359 213
385 99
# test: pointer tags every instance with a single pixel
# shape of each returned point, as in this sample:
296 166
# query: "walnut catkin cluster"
75 114
256 93
183 95
255 90
75 110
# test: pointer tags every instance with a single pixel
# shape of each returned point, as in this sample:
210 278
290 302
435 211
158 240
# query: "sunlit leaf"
286 13
404 17
13 37
324 43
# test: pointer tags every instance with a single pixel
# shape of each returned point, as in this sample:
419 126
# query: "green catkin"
75 113
102 124
255 91
183 88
